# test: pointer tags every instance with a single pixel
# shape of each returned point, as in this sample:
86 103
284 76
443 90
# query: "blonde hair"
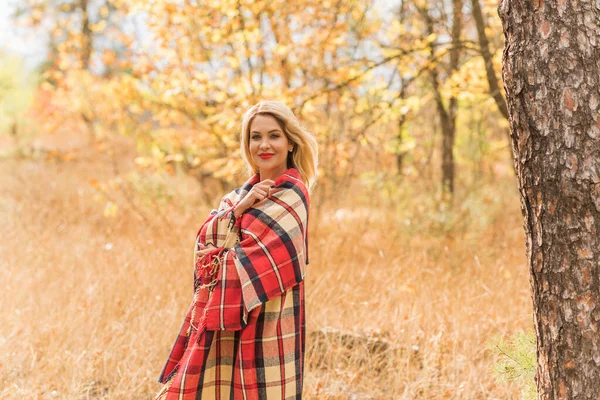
305 153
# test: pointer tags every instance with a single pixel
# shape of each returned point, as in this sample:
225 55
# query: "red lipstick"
266 156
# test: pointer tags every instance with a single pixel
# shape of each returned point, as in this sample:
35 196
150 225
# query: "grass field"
400 305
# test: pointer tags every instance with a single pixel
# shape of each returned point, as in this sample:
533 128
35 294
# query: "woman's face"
269 146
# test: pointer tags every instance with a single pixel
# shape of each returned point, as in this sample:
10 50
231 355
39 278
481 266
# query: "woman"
243 335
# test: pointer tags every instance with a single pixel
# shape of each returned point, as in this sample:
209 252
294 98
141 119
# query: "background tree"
179 82
77 30
552 83
207 63
366 84
87 42
488 57
447 112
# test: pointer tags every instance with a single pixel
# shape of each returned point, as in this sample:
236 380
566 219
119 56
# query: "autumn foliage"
178 75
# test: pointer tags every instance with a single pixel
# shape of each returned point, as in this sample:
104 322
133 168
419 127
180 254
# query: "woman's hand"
258 192
204 249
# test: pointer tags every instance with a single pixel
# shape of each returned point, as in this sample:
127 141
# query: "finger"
201 255
259 196
261 193
263 190
267 188
205 250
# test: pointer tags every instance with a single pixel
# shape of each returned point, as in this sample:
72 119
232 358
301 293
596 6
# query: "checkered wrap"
245 338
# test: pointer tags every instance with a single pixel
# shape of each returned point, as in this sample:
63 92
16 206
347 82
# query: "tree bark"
551 76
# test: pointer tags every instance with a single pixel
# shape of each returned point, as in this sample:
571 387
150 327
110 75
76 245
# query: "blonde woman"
243 335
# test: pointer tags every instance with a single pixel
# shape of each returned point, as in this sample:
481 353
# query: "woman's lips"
266 156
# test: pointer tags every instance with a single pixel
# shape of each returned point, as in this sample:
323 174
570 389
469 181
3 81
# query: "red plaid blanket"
244 339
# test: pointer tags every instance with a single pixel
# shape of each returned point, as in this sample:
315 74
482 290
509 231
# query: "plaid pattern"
245 338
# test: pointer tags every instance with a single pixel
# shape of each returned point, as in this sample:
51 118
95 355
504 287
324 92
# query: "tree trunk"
448 128
447 114
486 54
550 69
401 121
86 35
450 132
399 152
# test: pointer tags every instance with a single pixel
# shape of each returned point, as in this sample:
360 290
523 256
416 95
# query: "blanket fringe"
164 390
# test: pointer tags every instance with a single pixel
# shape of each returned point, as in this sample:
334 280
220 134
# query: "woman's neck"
271 174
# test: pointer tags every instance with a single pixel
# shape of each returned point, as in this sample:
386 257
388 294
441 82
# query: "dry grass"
90 305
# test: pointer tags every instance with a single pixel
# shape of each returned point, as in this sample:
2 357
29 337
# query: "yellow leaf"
104 11
110 210
99 27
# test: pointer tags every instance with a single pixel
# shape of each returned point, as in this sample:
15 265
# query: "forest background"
116 146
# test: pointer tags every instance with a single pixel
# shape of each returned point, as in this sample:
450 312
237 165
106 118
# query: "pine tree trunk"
551 75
